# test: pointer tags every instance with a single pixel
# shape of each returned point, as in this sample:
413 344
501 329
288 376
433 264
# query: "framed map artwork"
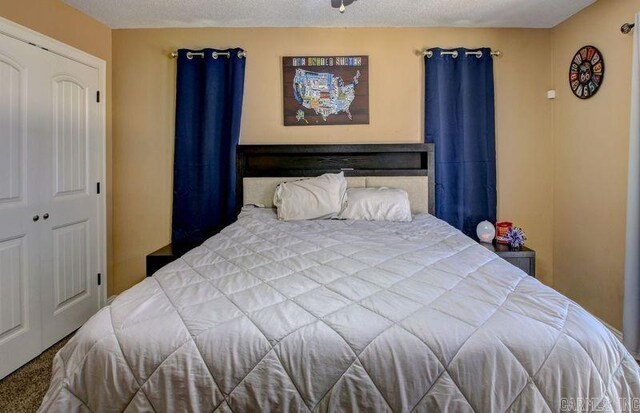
325 90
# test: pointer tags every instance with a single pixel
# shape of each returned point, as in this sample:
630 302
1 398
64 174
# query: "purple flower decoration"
515 237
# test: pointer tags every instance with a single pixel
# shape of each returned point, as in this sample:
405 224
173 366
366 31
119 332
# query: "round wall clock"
586 72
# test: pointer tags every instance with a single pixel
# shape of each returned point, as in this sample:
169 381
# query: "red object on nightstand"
501 231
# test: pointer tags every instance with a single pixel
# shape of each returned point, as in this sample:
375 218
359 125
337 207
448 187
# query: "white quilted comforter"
341 316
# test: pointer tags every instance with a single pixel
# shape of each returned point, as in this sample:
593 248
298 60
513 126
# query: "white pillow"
377 204
314 198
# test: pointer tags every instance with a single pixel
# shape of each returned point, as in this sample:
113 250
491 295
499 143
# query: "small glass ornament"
485 231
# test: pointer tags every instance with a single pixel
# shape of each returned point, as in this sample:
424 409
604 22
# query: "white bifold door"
49 167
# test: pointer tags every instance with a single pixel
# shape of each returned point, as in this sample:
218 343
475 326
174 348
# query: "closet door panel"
69 247
20 306
70 136
12 287
12 138
70 264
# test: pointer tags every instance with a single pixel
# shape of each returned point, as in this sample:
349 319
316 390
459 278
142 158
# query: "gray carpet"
22 391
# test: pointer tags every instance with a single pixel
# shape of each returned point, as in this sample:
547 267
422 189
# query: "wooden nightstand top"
167 250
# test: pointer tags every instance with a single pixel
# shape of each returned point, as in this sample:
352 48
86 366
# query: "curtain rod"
627 27
454 53
190 55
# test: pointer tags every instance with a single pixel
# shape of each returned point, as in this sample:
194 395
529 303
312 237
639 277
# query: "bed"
332 315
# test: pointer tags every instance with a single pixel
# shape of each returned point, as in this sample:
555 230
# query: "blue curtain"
208 109
460 122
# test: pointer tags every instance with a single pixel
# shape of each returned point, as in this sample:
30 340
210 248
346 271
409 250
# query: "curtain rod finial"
428 53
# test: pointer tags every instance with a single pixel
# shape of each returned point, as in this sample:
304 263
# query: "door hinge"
99 279
98 188
98 96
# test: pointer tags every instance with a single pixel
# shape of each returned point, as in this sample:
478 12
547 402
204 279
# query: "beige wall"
561 164
144 88
66 24
590 161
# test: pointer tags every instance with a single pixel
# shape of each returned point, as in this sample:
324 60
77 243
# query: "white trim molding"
24 34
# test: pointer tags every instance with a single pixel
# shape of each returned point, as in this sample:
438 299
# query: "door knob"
46 216
36 217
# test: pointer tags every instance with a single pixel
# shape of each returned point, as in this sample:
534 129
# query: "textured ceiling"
319 13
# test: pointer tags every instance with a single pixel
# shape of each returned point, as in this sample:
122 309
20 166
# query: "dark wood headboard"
355 160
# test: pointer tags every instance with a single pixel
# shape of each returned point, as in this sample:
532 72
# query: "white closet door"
50 151
20 309
69 248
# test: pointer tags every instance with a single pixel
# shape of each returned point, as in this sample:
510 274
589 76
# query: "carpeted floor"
22 391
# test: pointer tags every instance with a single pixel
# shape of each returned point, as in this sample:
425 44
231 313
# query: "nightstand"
525 258
160 258
171 252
